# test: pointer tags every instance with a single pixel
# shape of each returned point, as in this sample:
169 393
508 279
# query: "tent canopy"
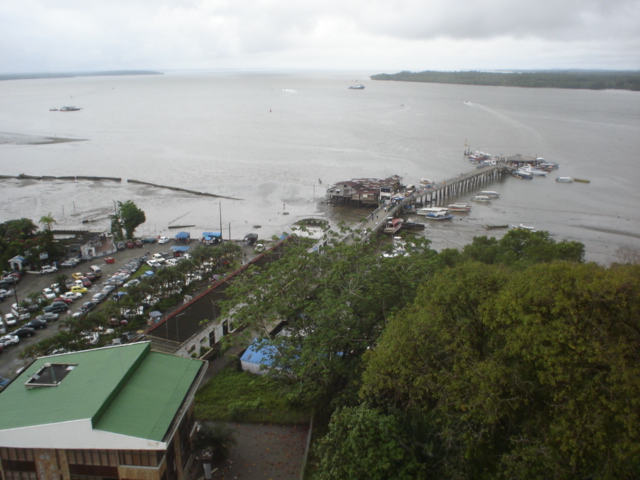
180 249
183 235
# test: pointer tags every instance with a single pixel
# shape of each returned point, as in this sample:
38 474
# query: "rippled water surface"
273 142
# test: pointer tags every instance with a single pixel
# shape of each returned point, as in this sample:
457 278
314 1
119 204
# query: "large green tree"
363 443
126 219
334 306
528 373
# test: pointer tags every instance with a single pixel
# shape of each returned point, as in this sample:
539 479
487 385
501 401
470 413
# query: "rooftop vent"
49 375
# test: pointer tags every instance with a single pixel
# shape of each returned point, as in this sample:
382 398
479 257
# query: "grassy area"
245 397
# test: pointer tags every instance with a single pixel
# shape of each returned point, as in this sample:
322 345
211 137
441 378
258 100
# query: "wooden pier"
442 193
439 194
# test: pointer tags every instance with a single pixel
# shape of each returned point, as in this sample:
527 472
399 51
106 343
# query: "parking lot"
9 361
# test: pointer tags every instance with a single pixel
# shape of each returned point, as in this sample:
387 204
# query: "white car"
10 340
48 269
49 294
71 295
163 240
10 319
133 282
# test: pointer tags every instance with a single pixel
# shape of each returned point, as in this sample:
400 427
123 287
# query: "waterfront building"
120 412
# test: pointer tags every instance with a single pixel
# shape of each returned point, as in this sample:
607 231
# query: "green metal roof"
148 402
125 389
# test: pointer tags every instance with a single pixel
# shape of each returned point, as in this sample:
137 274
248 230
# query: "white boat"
425 181
533 171
522 227
428 210
564 179
489 193
481 199
459 207
438 216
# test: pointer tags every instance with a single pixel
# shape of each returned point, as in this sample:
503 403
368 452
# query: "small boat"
425 182
428 210
490 194
356 87
412 224
70 109
581 180
459 207
522 175
54 109
522 227
438 216
533 171
496 227
564 179
393 225
481 199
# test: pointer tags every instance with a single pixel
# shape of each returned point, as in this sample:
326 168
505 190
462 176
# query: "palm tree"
47 220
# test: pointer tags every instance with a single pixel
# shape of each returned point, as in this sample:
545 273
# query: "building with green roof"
114 412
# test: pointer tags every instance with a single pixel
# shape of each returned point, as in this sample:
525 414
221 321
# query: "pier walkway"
437 194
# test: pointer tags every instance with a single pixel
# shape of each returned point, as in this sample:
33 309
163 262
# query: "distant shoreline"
107 73
569 79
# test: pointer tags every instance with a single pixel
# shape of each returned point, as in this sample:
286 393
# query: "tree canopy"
127 218
518 374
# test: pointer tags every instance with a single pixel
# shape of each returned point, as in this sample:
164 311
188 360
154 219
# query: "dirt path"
266 452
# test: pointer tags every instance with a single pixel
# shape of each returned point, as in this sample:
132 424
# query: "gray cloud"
40 35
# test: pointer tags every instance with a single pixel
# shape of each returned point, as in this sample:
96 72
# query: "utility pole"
220 214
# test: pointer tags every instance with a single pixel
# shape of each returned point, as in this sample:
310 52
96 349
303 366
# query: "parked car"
66 300
72 295
108 289
58 307
129 244
48 294
90 276
10 319
67 263
10 340
48 269
154 264
24 332
98 297
86 282
10 280
131 283
37 324
78 289
77 275
163 240
138 243
48 317
120 246
149 240
87 307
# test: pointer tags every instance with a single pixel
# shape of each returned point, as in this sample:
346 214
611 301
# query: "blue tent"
211 237
180 249
258 356
184 237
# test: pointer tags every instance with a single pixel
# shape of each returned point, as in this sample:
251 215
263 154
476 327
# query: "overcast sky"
373 35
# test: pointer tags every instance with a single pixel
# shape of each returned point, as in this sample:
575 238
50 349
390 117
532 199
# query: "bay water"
271 143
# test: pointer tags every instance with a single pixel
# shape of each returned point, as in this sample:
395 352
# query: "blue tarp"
183 235
180 249
259 353
210 235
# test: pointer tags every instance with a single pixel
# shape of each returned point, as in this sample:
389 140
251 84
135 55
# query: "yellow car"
78 289
77 275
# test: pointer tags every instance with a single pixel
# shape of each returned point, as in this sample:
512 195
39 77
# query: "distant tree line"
581 79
